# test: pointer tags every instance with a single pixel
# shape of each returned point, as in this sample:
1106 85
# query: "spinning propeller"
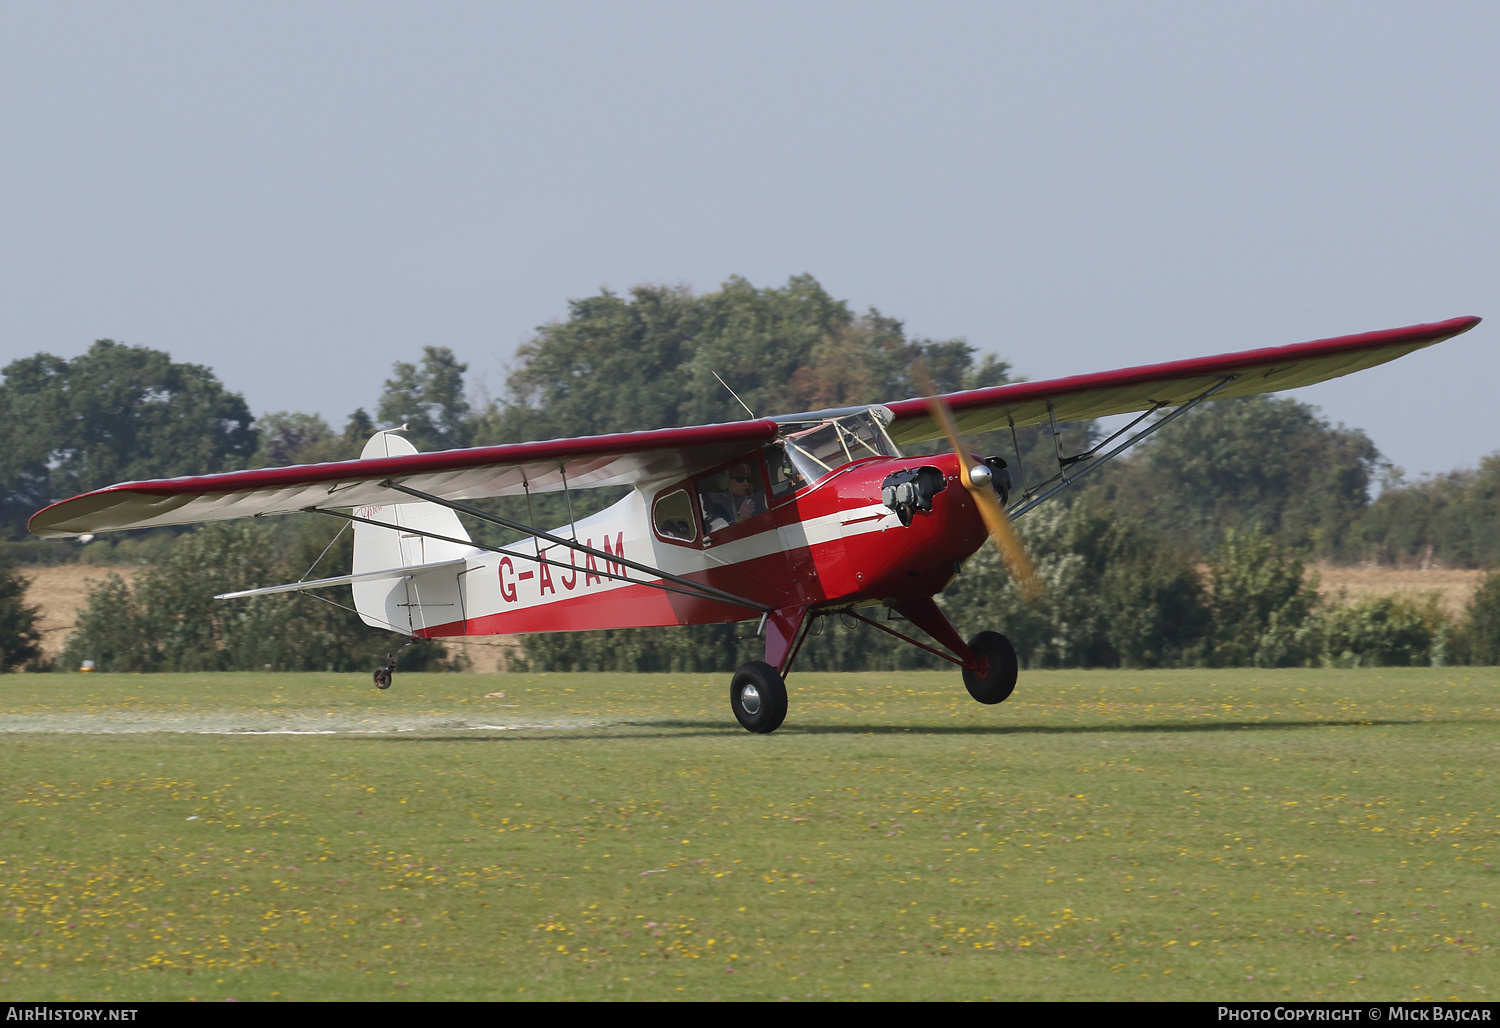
979 481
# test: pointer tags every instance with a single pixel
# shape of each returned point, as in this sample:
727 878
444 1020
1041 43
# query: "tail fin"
383 603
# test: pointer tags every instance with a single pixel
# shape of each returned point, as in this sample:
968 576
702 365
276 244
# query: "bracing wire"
351 610
315 563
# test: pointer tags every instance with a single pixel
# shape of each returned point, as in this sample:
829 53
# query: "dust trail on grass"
232 722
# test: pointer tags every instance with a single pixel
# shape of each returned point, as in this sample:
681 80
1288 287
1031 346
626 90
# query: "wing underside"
584 463
641 457
1130 390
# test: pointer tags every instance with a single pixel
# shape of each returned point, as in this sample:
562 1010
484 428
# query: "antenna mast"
736 395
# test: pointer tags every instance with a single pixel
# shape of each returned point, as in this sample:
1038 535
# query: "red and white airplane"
783 519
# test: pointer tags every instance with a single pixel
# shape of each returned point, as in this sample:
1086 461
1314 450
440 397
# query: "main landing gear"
757 693
1001 668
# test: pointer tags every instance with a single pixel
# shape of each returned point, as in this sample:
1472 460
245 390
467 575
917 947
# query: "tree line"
1247 489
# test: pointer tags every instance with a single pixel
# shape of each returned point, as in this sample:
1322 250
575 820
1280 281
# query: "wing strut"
1066 477
694 589
701 590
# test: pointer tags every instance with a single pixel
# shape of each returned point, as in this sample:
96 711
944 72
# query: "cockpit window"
673 516
785 478
816 449
730 496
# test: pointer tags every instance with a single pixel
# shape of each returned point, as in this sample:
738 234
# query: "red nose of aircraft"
881 558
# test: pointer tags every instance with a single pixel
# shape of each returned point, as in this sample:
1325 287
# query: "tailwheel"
387 667
1002 667
757 695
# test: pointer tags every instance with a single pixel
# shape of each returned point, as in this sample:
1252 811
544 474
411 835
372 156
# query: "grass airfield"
1255 835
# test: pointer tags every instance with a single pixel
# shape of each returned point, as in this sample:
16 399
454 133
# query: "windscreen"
815 450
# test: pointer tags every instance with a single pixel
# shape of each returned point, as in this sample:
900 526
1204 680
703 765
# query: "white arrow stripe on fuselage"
485 592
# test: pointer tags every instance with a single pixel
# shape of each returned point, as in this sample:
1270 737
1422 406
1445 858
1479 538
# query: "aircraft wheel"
757 695
383 677
1001 681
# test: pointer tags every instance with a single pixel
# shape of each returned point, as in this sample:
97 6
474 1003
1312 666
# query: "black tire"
383 677
997 686
757 695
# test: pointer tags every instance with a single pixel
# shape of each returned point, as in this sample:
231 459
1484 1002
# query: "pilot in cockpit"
731 496
745 500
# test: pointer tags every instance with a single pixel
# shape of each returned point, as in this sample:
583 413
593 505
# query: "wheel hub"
750 700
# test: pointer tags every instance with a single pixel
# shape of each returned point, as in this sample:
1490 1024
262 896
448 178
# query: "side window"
673 516
730 496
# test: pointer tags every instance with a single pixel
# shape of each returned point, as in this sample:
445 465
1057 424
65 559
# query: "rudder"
384 603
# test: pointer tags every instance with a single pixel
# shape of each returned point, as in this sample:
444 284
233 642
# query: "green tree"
622 364
1451 519
169 620
113 414
1261 603
20 642
357 431
1116 593
429 400
1257 463
1383 631
1476 640
290 437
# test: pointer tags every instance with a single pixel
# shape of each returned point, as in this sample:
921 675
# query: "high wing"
636 457
547 466
1267 370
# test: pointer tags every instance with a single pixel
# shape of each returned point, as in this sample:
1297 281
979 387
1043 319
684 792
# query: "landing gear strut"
757 693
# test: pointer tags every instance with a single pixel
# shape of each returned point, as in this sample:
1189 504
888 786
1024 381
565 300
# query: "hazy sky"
299 194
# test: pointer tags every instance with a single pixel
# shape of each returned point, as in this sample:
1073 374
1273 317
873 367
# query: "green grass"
1156 835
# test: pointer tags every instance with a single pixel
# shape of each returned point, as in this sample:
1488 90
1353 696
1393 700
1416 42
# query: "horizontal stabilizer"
319 583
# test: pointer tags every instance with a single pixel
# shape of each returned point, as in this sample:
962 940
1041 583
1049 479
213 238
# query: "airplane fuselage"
828 545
